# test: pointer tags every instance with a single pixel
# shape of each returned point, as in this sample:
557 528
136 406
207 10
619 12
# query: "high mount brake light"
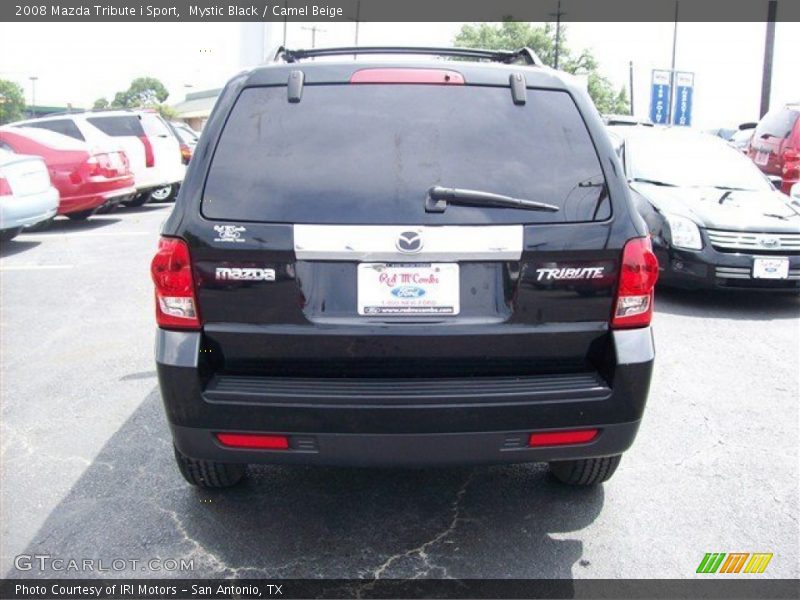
176 305
637 280
395 75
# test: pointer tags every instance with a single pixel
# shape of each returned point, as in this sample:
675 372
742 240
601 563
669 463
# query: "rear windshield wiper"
653 182
439 197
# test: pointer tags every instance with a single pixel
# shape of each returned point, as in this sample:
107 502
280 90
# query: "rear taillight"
149 157
176 305
637 279
5 187
186 154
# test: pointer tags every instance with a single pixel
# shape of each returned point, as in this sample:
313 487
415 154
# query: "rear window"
119 126
62 126
776 123
367 154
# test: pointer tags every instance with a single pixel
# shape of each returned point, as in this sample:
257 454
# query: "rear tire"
80 215
6 235
585 471
209 473
164 194
138 200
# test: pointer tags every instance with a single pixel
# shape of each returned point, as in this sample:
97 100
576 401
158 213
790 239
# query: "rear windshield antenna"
295 86
519 93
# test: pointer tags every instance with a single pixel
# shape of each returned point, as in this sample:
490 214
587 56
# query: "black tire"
166 193
41 225
585 471
138 200
81 215
208 473
6 235
106 209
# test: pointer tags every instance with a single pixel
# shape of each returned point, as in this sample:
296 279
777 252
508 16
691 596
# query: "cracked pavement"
87 468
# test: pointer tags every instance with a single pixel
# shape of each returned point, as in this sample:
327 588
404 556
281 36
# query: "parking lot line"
33 267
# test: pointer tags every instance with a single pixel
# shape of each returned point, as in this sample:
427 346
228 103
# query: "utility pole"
285 20
630 78
769 48
558 14
672 68
314 29
33 94
357 21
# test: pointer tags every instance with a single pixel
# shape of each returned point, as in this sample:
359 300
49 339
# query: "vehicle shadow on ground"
297 522
128 210
721 304
16 246
60 226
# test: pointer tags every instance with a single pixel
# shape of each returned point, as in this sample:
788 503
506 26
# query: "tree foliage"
143 92
510 35
12 101
100 104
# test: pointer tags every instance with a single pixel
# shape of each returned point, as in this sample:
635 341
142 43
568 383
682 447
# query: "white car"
153 150
796 191
27 196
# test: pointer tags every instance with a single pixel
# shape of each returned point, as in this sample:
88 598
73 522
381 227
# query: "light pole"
558 14
769 48
33 79
314 29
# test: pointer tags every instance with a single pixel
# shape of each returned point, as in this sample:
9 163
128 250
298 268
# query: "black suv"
404 263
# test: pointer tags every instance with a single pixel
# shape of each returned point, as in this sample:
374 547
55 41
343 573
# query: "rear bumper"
71 204
405 422
23 211
405 450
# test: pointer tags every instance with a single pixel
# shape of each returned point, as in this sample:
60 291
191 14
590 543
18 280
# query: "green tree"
142 92
541 39
100 104
12 101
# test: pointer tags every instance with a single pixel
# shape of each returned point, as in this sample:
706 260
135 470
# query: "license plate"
762 158
770 268
408 289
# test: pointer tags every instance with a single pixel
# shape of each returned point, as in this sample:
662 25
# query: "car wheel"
7 235
585 471
164 194
41 225
138 200
81 215
209 473
105 209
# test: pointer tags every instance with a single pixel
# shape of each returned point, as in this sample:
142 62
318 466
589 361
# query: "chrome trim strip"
380 243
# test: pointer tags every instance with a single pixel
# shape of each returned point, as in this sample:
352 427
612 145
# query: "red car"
775 146
87 178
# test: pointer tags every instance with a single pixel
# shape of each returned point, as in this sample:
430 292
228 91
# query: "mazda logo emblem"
409 242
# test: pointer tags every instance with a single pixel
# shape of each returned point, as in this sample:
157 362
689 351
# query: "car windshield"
693 161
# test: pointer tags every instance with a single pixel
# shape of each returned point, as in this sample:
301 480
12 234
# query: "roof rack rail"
523 55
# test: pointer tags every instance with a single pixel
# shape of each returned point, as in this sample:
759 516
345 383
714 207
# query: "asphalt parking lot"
87 469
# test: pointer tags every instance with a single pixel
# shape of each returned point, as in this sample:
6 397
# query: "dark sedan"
716 221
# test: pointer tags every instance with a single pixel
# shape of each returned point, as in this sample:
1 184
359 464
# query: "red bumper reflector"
395 75
562 438
250 440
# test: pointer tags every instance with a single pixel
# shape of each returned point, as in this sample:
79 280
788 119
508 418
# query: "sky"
79 62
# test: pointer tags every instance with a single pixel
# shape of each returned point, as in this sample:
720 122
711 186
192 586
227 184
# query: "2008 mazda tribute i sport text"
404 263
